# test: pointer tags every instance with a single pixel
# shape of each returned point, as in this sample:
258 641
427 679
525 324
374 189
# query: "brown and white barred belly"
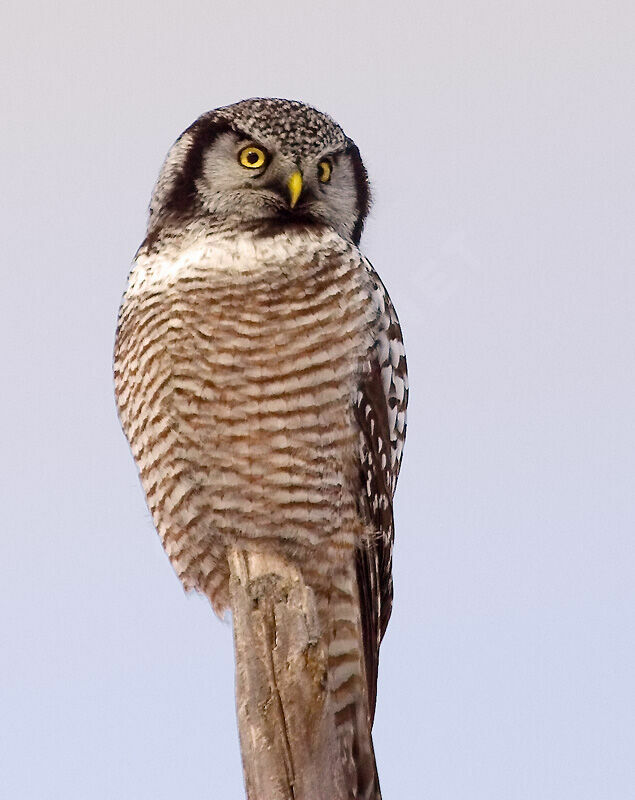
236 365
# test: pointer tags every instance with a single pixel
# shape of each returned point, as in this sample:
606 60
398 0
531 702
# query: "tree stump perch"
286 726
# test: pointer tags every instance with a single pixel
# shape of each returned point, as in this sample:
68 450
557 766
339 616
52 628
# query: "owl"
261 381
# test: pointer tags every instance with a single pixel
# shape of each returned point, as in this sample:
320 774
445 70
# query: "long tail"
349 691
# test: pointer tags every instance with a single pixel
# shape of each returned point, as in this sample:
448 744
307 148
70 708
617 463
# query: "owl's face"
263 161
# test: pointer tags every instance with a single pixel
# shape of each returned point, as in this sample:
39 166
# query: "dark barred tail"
358 756
349 693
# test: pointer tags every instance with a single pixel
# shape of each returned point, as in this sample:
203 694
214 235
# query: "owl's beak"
294 184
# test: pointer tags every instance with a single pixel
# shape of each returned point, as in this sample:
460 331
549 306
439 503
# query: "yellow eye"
324 171
252 157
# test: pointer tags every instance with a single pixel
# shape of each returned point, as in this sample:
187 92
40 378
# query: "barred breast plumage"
236 367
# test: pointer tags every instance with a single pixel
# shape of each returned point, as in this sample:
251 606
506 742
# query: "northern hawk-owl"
261 379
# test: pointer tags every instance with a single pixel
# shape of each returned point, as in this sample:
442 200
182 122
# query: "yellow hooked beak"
294 185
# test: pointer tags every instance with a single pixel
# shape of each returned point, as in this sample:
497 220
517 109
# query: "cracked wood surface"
287 733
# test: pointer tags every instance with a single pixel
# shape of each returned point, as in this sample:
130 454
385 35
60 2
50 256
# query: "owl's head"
266 161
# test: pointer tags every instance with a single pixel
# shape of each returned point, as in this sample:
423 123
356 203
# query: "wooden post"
286 726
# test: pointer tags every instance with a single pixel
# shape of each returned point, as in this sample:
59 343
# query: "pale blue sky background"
499 139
